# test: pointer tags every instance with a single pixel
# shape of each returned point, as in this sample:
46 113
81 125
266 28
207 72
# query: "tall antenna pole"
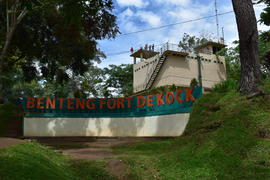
216 10
223 37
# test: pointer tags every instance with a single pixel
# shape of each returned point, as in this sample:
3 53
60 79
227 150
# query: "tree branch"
20 17
10 34
16 60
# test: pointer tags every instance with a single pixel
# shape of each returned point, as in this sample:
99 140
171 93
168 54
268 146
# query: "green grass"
33 161
266 85
228 137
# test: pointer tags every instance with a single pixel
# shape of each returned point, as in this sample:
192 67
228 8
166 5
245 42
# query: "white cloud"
179 13
136 3
187 14
125 21
130 26
149 17
127 13
175 2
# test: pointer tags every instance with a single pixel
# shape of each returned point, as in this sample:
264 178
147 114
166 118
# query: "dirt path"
6 142
98 150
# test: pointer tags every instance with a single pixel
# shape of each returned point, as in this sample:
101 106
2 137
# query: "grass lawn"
228 137
33 161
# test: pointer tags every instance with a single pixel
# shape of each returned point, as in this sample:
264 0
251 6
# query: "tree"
91 83
118 80
265 18
188 43
232 59
54 39
264 51
248 41
264 45
16 86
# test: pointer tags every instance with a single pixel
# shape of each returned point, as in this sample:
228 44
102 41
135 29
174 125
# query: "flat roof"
175 53
145 54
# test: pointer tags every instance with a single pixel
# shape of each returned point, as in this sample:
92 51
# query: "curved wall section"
149 126
163 114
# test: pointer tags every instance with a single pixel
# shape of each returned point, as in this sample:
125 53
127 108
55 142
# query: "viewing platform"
167 49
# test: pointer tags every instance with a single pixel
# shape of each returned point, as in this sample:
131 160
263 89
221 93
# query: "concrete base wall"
165 125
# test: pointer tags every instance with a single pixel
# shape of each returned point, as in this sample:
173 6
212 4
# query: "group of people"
149 47
146 47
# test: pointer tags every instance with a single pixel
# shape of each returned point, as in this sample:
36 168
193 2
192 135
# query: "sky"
136 15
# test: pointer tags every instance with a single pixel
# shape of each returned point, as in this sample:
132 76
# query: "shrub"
172 88
193 83
266 85
226 86
8 112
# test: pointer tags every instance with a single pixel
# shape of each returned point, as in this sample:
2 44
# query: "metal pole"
216 10
223 35
199 68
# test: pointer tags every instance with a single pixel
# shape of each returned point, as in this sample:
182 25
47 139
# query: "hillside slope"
33 161
228 137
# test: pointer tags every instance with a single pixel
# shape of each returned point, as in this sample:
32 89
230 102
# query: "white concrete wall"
176 70
207 50
152 126
141 70
213 72
181 70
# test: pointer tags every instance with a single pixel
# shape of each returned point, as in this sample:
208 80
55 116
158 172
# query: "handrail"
149 75
166 46
154 68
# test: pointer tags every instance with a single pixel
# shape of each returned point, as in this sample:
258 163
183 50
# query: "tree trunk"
249 56
10 34
267 61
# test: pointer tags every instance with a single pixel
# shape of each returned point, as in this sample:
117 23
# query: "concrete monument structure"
157 115
171 65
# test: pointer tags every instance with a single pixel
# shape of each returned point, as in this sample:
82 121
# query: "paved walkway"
6 142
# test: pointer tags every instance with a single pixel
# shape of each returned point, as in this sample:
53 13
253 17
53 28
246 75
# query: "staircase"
154 72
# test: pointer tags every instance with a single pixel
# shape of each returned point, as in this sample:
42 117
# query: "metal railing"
149 74
170 46
151 71
164 47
